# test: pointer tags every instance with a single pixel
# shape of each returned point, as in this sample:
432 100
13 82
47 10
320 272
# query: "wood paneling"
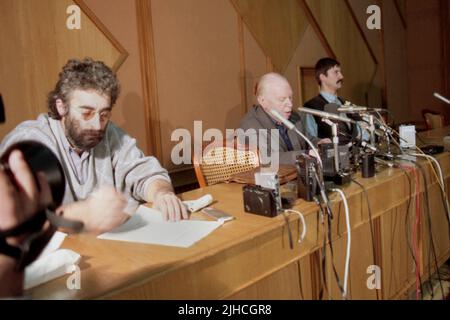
198 65
396 260
338 261
377 92
400 5
435 227
361 31
445 34
148 74
425 59
36 44
395 59
362 256
101 27
308 84
318 30
277 26
120 18
307 53
291 282
255 64
242 78
343 34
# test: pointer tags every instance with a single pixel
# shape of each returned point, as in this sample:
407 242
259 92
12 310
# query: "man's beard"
81 139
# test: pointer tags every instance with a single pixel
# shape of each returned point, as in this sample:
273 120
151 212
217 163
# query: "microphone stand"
389 154
335 140
340 177
371 129
387 135
318 175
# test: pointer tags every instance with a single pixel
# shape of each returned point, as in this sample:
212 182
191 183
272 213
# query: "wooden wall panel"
197 58
396 260
362 256
119 17
35 45
446 43
277 26
395 57
255 64
148 74
439 230
339 248
377 92
291 282
341 31
401 8
306 280
445 32
424 57
309 50
372 36
308 84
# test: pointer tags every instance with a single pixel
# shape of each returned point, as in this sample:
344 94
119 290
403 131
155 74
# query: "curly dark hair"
84 75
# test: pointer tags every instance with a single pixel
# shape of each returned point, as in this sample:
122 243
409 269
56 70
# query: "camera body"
307 186
269 179
260 200
327 156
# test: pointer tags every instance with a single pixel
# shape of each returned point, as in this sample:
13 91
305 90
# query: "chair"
433 119
219 161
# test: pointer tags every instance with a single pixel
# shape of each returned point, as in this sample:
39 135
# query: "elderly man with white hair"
273 92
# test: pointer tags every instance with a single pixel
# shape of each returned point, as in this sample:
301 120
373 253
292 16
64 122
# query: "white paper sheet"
52 262
54 243
147 226
51 266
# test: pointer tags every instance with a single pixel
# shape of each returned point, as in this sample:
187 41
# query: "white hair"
268 80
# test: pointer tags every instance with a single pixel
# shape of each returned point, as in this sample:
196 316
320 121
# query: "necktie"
284 135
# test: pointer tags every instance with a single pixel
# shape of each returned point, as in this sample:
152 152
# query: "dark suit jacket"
345 133
256 118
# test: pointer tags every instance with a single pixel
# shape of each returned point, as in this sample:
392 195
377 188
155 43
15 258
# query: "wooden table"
250 257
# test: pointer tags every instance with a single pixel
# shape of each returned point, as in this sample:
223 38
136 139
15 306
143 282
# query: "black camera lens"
40 159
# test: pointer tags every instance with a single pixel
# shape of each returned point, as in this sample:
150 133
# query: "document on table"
52 263
147 225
